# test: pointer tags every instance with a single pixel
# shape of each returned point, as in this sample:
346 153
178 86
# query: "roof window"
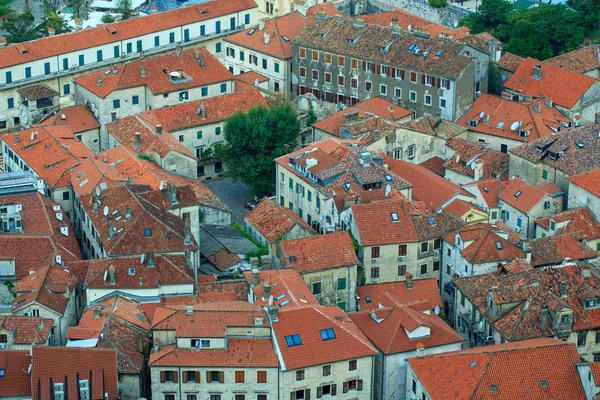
544 383
518 193
327 334
147 232
287 39
500 125
292 258
283 303
293 340
131 271
432 221
388 177
368 300
438 53
485 189
251 31
412 47
395 217
280 297
499 245
494 389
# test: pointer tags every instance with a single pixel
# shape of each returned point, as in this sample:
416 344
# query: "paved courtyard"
235 195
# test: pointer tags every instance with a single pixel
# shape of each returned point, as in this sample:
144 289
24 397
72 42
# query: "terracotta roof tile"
578 61
495 163
504 371
388 294
435 127
521 195
118 31
16 381
489 189
319 252
251 77
224 259
553 250
27 330
484 245
286 284
551 83
510 62
411 22
76 119
589 181
460 207
273 221
579 222
435 164
47 287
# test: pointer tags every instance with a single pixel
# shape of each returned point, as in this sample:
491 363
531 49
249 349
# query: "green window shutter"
545 174
199 135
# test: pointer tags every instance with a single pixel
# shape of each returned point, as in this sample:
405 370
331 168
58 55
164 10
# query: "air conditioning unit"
400 258
84 394
59 395
317 210
374 260
436 252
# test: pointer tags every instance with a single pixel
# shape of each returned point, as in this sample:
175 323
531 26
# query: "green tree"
254 139
588 12
107 18
438 3
5 11
490 15
80 7
494 84
19 27
311 118
55 22
125 8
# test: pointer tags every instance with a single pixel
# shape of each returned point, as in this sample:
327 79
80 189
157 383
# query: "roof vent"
189 310
537 72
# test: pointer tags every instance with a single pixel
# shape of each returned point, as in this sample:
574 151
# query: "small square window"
316 288
135 100
327 334
181 138
326 370
300 375
116 103
352 365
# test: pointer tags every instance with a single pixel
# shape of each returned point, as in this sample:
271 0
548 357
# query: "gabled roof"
388 294
349 342
198 67
495 163
287 288
76 119
524 196
501 115
579 222
461 208
36 92
98 366
49 286
551 84
573 151
435 164
428 187
41 240
589 181
553 250
485 245
54 46
435 127
214 238
273 221
16 381
489 189
27 330
510 62
317 253
52 152
578 61
533 369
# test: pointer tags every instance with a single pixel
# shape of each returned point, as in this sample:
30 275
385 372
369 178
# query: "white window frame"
384 69
428 103
383 89
398 92
410 98
429 80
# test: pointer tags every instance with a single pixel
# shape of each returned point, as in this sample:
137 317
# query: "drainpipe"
348 288
179 379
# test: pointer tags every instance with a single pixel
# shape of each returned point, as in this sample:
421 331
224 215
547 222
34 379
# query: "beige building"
584 190
580 222
80 120
22 333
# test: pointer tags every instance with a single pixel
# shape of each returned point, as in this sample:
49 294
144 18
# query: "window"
261 376
355 384
116 103
427 100
169 397
246 19
423 269
413 96
215 377
300 375
181 138
3 338
65 195
135 100
293 340
402 248
424 247
217 130
328 58
327 77
354 63
411 151
28 70
66 60
215 397
326 369
223 87
327 334
192 376
302 72
47 68
398 93
375 272
368 86
354 83
315 55
597 357
218 47
315 74
401 270
261 397
352 365
218 27
276 67
581 338
183 95
375 252
240 377
204 92
341 283
239 397
383 89
264 63
436 265
546 205
11 102
442 103
169 376
302 52
8 77
413 77
428 80
316 288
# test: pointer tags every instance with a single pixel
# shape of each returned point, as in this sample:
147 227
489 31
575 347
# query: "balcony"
483 339
468 320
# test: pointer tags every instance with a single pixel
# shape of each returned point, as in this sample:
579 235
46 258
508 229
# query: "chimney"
158 129
111 230
544 320
111 273
150 262
259 322
265 262
189 310
272 310
365 159
94 202
188 232
16 137
254 262
202 111
51 31
201 62
178 50
420 350
142 71
130 180
478 171
197 55
156 347
261 25
127 212
537 72
115 69
255 276
172 193
97 312
409 278
138 139
562 289
266 291
267 38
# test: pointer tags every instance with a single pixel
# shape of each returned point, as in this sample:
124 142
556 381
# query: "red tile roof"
240 352
16 381
595 367
460 207
157 71
76 119
578 61
320 252
489 189
411 22
579 222
435 164
286 284
589 181
387 294
350 342
428 187
484 244
502 113
41 240
553 250
274 221
522 195
91 173
510 62
118 31
52 153
551 84
49 286
504 371
251 77
224 259
495 163
98 366
27 330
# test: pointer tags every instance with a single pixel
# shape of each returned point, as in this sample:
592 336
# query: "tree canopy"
19 27
254 140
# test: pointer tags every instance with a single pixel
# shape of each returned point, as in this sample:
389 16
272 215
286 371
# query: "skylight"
518 193
544 383
500 125
394 216
292 258
499 245
368 300
281 296
287 39
432 221
485 189
131 271
251 31
388 177
147 232
327 334
293 340
283 303
411 47
347 184
494 389
438 53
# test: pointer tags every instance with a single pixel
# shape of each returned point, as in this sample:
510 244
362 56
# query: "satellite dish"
388 188
481 324
473 165
481 114
105 211
514 126
271 300
161 185
97 191
584 199
436 310
256 82
458 158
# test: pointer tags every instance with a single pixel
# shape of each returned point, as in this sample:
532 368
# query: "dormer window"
590 304
552 156
553 225
564 319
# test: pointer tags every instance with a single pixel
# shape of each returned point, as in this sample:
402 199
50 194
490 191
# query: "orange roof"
156 74
579 222
239 353
489 190
411 22
484 246
502 113
16 381
595 367
376 227
306 322
273 221
428 187
97 365
320 252
252 77
435 164
118 31
532 369
287 288
388 294
50 287
522 195
91 173
589 181
77 119
52 152
27 330
460 207
510 62
553 250
551 84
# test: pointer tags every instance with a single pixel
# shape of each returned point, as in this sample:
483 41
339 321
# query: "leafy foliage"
107 18
125 8
80 7
19 27
55 22
311 118
261 251
438 3
494 84
254 140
